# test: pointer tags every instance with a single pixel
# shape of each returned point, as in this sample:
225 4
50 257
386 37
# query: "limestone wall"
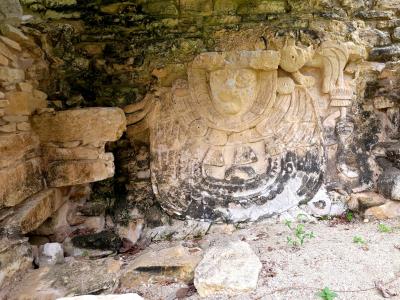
58 55
43 153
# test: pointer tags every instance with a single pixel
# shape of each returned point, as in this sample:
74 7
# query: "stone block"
198 7
13 33
72 172
10 11
262 7
11 76
5 51
389 183
24 126
8 128
35 210
228 269
387 4
396 34
3 60
391 209
88 125
14 147
385 53
11 44
59 3
225 6
75 153
20 181
166 7
23 103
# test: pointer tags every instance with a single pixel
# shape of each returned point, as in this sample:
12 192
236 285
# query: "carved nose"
230 83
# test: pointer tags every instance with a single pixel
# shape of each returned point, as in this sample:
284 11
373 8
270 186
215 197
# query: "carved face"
233 91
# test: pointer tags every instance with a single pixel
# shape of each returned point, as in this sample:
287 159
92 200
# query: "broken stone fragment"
227 269
60 280
365 200
175 263
389 183
88 125
391 209
51 254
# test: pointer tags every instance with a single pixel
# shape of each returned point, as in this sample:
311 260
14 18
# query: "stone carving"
242 139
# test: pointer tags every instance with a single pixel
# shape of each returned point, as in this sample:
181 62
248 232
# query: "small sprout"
384 228
327 294
299 234
358 240
349 216
85 253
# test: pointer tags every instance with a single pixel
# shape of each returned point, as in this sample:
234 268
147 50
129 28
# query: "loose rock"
230 268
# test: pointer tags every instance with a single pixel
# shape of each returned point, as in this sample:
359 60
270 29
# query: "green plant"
299 234
358 240
349 216
384 228
327 294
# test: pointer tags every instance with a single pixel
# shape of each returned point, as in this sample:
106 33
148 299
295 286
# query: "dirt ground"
348 258
331 259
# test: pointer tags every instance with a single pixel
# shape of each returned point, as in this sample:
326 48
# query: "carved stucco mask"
233 91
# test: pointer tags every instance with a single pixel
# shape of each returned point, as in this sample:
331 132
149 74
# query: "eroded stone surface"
175 263
20 181
87 125
72 172
227 146
34 211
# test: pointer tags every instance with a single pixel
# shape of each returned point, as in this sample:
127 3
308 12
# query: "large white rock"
230 268
51 254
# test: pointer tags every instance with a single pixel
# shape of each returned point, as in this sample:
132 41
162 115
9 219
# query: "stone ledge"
88 125
72 172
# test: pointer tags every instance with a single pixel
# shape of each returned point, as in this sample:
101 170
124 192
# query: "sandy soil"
332 259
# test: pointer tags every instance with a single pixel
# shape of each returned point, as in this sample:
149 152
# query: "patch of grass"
327 294
358 240
299 234
384 228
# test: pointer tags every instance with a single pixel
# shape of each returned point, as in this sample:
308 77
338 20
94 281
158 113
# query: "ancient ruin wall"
328 70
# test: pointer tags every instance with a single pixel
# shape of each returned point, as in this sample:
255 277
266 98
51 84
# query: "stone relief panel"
250 134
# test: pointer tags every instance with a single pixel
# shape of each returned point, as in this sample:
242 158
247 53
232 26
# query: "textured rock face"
228 269
239 142
10 11
86 125
66 150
